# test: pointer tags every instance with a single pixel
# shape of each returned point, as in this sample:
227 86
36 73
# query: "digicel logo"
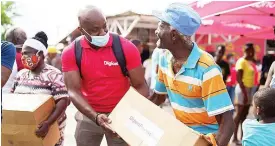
110 63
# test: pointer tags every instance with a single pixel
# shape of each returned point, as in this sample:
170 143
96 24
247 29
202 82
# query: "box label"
144 128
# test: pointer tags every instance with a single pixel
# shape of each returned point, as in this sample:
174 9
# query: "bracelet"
96 119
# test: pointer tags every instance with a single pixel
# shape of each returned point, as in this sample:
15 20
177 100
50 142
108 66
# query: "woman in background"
244 88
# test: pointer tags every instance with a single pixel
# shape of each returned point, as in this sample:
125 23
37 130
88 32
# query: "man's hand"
103 121
43 129
157 99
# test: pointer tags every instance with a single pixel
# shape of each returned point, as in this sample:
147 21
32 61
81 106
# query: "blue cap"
180 16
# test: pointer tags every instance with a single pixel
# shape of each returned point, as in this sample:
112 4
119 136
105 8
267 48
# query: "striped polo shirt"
197 92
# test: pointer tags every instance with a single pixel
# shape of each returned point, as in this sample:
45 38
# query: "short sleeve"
131 53
215 96
160 87
240 65
59 89
68 59
8 52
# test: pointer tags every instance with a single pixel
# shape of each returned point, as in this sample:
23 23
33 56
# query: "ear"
41 54
258 110
174 35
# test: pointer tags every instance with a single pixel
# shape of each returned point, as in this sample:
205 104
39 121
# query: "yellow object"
248 72
52 49
212 139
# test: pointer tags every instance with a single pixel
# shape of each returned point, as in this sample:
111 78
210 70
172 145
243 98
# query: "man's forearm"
5 74
82 105
226 127
143 89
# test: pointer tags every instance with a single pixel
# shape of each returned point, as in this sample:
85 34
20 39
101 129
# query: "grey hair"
16 35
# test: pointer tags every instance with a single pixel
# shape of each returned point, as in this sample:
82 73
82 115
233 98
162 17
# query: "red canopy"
248 18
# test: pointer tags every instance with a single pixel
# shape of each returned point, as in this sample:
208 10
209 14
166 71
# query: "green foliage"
7 13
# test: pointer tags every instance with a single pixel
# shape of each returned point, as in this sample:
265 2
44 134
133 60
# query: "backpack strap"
78 54
116 47
119 54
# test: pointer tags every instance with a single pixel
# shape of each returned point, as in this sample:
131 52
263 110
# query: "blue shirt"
8 52
258 134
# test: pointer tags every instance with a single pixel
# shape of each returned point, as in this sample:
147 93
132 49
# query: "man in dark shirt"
7 60
223 64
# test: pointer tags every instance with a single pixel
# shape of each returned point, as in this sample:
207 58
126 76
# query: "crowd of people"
211 95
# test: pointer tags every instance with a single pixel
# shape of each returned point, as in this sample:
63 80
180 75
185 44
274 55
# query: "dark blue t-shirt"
8 52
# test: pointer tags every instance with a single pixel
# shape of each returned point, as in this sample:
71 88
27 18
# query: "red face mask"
30 62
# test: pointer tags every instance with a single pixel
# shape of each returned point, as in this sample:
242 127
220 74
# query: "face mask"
99 41
30 62
231 61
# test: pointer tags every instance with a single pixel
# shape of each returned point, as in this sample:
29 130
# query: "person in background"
244 88
8 52
190 77
145 53
147 64
138 44
17 36
100 88
256 86
266 64
270 81
53 58
222 63
232 78
151 69
40 78
261 131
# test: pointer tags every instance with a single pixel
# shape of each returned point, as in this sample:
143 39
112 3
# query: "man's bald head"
88 11
16 35
92 21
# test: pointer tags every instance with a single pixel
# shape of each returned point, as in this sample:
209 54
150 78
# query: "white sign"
144 128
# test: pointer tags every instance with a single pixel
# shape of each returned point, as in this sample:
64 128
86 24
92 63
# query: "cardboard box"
141 123
22 113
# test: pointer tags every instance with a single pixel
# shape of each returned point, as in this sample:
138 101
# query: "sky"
58 18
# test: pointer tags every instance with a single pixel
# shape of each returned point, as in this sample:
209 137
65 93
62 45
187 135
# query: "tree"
7 13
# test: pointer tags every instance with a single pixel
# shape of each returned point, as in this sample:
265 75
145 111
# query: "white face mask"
99 41
231 61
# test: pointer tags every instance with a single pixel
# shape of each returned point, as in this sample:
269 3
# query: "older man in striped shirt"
190 77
